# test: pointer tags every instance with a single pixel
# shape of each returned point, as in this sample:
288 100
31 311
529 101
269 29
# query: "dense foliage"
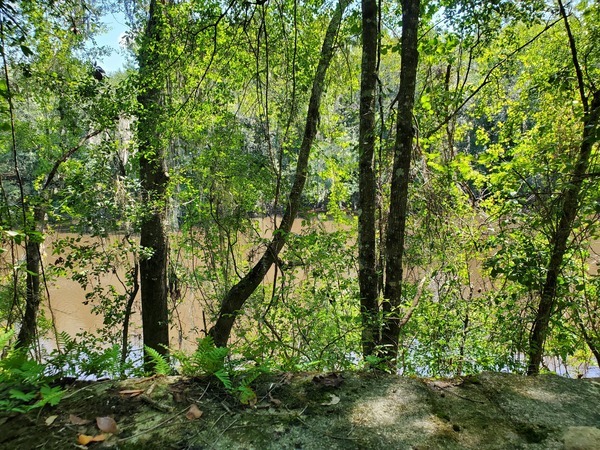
233 119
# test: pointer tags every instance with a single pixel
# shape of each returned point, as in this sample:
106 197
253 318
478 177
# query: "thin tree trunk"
367 273
595 349
154 181
128 307
570 208
33 296
234 300
400 181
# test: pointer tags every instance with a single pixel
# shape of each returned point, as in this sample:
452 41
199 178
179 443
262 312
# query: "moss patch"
302 411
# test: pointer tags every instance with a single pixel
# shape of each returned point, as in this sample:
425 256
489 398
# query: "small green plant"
205 361
24 383
159 362
209 359
85 358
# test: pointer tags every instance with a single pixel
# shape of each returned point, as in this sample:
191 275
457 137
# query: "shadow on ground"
305 411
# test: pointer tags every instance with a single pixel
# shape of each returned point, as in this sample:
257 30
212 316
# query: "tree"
396 231
154 178
234 300
570 204
61 85
367 275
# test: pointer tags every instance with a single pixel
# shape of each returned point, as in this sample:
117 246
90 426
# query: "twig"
168 419
459 396
223 432
156 404
345 438
95 383
217 421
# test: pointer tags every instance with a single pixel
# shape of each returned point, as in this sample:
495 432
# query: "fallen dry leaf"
131 392
75 420
84 439
50 420
334 401
107 425
193 413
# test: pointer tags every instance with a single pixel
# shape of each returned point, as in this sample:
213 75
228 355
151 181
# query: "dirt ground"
318 411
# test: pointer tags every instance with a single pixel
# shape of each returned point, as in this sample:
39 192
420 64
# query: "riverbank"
311 411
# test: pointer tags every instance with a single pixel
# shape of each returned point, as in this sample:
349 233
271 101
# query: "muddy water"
69 312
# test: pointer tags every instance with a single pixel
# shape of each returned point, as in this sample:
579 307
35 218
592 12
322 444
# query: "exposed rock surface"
301 411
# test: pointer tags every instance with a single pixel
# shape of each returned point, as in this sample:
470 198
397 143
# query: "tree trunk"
234 300
591 343
570 208
154 181
33 296
400 181
367 274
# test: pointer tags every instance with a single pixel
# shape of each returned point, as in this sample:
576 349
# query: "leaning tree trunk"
400 181
367 272
234 300
570 208
154 181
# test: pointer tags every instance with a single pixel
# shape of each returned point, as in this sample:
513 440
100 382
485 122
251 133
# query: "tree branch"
67 155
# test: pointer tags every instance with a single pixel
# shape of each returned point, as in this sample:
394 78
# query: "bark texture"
154 180
367 274
400 181
234 300
570 208
568 213
33 296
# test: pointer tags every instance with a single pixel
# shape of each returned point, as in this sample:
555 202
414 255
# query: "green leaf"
223 376
161 365
51 395
20 395
26 50
246 395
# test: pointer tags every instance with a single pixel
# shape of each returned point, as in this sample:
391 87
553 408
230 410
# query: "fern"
206 360
106 362
23 380
160 363
209 359
224 377
65 341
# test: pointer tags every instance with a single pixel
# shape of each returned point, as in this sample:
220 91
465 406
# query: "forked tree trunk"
400 182
154 181
234 300
367 272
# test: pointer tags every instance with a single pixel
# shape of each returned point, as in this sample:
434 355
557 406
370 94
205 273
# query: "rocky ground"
309 411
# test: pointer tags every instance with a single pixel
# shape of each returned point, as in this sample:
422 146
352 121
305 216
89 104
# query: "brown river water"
69 313
67 309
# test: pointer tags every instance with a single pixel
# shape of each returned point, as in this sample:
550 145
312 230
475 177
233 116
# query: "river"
70 313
